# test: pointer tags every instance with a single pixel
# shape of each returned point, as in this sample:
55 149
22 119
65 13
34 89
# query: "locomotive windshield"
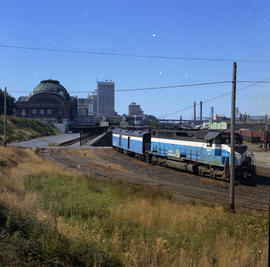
225 138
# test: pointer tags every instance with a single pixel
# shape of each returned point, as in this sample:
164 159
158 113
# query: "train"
202 152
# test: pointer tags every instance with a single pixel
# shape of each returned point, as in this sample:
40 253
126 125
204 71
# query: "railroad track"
245 197
70 142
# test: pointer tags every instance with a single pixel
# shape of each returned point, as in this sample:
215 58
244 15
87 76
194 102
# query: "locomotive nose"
245 162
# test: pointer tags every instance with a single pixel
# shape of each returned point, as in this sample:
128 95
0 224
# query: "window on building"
34 113
41 112
49 111
23 112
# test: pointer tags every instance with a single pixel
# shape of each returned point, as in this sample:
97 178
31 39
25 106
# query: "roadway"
47 141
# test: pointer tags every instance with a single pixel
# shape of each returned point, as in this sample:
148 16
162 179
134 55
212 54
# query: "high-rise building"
92 104
87 106
134 109
105 98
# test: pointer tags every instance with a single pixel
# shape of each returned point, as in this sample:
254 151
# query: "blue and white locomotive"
132 142
203 152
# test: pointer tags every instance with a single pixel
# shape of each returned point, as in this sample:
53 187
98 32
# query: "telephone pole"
269 232
265 133
5 117
194 111
232 169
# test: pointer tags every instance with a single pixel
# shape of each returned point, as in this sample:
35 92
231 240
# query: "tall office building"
92 104
105 98
134 109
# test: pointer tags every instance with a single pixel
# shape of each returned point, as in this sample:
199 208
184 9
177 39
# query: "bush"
26 242
20 129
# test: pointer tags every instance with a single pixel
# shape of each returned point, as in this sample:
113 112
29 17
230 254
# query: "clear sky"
187 28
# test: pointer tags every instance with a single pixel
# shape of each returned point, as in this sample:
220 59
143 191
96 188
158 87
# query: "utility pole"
194 111
265 133
269 233
5 117
232 169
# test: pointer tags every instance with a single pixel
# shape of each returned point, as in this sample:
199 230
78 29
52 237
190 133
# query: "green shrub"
20 129
24 242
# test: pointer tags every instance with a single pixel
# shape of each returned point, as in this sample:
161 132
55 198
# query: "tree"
10 103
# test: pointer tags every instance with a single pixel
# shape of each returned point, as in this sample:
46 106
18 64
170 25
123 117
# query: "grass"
25 242
87 221
20 129
151 227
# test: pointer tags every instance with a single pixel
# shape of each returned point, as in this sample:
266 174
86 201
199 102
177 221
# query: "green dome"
51 86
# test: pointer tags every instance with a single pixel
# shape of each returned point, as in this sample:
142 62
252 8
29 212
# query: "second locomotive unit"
202 152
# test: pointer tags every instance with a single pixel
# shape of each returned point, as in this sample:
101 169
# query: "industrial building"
105 98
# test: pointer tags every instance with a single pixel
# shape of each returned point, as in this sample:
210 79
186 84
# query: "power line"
217 97
161 87
131 55
147 88
181 86
253 81
172 86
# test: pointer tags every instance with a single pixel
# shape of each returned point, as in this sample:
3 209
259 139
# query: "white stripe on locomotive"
189 143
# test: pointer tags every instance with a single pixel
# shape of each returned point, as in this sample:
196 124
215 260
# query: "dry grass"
96 161
138 226
15 164
90 153
53 144
170 219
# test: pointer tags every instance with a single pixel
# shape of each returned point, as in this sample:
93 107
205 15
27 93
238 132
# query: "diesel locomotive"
202 152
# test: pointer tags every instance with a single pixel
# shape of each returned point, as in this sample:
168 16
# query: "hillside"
50 215
21 129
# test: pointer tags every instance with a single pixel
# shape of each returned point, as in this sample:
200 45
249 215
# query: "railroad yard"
109 164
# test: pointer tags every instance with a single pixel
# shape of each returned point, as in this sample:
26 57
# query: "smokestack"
194 111
201 111
212 113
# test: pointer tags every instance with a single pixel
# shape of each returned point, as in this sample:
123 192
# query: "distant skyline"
189 28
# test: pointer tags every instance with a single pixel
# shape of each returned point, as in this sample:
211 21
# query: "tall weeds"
113 223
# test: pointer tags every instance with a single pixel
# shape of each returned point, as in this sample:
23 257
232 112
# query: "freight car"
255 136
202 152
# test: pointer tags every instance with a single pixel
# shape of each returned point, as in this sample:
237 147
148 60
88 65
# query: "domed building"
49 101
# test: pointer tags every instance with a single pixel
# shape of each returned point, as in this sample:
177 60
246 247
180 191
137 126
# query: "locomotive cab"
244 162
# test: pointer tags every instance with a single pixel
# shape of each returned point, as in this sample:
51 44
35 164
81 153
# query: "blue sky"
188 28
